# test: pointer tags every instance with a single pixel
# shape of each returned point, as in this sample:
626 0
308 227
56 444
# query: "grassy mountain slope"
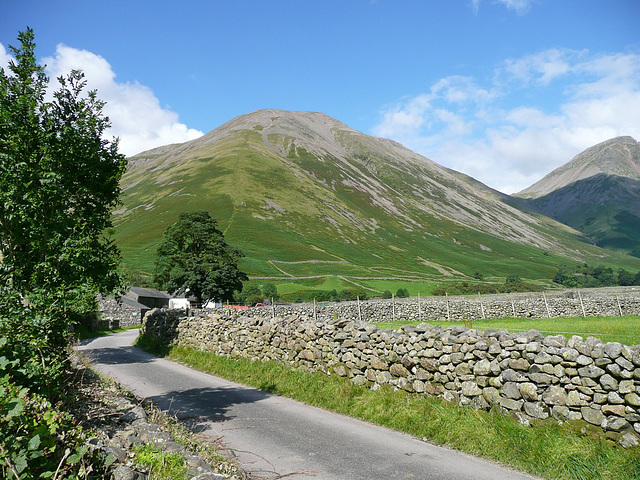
303 195
597 193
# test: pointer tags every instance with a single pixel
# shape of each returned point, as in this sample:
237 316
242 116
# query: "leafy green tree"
251 294
625 278
387 294
270 291
193 255
59 180
402 293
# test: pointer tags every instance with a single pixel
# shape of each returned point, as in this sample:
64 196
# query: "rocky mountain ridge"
597 193
618 156
302 187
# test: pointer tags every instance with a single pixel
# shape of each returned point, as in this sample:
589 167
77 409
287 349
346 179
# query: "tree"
270 291
251 295
193 255
59 180
402 293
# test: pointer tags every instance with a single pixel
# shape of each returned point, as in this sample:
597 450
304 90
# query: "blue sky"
502 90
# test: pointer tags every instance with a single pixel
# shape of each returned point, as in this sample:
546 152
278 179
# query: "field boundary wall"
593 302
526 374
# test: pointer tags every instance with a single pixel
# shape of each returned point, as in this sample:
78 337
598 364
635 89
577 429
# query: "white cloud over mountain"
534 114
136 115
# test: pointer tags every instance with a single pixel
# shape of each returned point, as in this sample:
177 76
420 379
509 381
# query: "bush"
387 294
38 440
402 293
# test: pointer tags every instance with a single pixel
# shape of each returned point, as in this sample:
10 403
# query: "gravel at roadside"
119 422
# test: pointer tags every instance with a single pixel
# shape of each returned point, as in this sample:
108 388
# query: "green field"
624 329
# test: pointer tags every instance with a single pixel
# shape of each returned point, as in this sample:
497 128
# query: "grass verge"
545 449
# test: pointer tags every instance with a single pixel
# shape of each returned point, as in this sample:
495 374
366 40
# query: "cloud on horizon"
136 115
504 131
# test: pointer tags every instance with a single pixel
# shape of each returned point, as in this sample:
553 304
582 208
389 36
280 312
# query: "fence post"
359 310
513 305
315 310
393 307
581 304
446 295
481 307
273 308
619 306
419 309
546 305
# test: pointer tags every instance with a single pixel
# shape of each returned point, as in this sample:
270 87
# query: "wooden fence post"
546 305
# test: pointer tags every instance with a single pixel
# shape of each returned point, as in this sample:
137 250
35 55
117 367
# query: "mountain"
305 196
597 193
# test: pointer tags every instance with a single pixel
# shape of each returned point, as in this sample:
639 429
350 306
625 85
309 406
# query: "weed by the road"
162 465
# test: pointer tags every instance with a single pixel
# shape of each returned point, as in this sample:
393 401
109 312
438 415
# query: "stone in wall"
532 376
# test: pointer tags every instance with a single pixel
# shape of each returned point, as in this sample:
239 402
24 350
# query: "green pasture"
624 329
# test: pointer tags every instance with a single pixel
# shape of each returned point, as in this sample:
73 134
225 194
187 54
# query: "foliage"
193 256
59 180
387 294
402 293
252 294
600 276
38 440
270 291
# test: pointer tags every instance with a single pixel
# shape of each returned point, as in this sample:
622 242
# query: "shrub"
402 293
38 441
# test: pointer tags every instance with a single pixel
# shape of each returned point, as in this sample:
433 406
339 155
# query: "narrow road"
276 437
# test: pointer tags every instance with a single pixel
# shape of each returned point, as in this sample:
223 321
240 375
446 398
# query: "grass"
624 329
162 465
544 449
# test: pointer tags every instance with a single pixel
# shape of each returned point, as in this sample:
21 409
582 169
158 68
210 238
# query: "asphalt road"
274 436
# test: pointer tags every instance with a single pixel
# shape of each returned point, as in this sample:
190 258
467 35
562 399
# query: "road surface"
276 437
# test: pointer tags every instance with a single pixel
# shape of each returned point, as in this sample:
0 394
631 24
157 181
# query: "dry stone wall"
117 314
532 376
569 303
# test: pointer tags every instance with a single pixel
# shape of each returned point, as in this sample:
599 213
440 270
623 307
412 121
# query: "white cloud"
136 115
541 68
505 133
521 7
4 57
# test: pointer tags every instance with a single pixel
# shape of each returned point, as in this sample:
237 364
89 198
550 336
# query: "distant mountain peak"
619 156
